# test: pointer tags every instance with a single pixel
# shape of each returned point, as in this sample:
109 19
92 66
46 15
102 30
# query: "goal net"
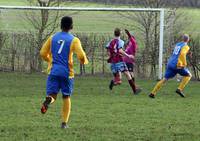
24 29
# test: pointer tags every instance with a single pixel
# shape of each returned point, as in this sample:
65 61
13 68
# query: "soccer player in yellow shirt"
176 65
58 52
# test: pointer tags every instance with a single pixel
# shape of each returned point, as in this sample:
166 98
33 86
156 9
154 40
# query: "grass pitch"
97 114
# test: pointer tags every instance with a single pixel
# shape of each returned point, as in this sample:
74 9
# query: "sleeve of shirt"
45 50
129 49
133 41
107 45
183 55
121 44
78 50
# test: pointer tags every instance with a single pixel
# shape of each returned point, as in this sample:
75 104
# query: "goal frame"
160 10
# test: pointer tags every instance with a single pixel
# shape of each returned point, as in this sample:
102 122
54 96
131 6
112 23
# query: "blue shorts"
118 67
170 72
57 83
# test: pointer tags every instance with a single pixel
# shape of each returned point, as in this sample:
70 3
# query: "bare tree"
192 3
169 3
148 25
44 24
194 58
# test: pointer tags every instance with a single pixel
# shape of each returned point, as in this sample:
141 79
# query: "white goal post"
160 10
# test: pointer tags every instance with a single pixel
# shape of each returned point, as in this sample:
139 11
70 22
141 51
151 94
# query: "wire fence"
21 40
18 52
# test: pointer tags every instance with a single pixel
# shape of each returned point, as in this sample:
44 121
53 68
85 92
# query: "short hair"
117 32
66 23
185 38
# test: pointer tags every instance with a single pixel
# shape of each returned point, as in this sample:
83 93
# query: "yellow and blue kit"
177 62
58 52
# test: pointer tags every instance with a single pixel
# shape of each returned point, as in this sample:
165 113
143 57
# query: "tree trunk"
39 62
13 53
103 60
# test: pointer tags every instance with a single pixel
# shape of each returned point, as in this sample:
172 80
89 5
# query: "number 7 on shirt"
61 42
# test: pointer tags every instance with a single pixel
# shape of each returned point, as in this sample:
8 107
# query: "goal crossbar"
160 10
80 8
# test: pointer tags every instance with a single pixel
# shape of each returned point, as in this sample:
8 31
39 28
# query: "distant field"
84 21
97 113
103 22
12 2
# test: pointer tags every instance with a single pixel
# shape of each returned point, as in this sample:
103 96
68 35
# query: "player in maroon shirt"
116 53
131 49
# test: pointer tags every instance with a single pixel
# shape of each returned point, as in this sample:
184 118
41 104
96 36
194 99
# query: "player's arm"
45 50
128 33
78 50
183 54
107 49
121 51
125 54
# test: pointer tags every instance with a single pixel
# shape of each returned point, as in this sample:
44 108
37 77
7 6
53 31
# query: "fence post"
13 53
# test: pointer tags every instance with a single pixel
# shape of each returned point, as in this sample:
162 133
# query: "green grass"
97 114
11 2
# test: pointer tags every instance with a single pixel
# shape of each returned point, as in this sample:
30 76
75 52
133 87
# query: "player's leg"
52 89
67 89
168 74
49 100
130 81
66 110
130 67
114 73
186 78
132 75
116 76
124 69
116 80
157 87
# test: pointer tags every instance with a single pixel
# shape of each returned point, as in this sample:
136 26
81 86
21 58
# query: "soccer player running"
58 52
116 53
131 49
176 65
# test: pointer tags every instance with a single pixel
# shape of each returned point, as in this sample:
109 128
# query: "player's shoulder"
70 34
50 37
63 34
56 34
121 42
75 39
186 47
180 44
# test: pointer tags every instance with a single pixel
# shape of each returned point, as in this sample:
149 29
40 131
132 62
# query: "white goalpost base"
160 10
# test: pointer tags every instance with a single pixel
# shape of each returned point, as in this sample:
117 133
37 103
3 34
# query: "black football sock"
47 101
132 84
133 78
111 84
114 74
